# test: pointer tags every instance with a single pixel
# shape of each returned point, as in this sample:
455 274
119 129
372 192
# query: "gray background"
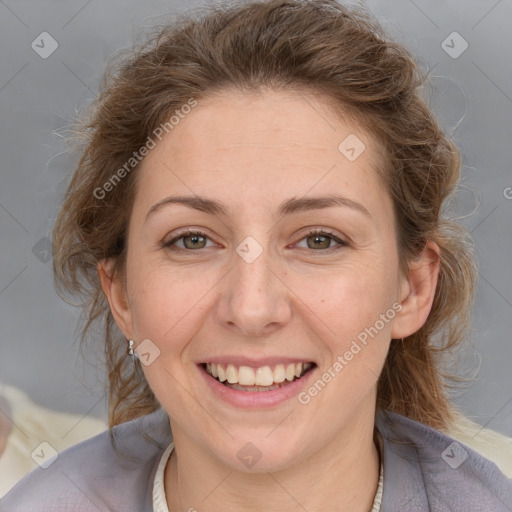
38 97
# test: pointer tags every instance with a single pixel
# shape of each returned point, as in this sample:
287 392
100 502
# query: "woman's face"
253 288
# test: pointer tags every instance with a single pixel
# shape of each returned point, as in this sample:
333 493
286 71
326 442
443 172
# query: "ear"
417 292
115 291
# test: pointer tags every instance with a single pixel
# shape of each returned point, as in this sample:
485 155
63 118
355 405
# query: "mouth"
260 379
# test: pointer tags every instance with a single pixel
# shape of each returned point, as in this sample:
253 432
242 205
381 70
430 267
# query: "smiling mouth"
264 378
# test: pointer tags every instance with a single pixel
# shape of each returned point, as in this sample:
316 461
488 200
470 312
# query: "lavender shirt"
424 471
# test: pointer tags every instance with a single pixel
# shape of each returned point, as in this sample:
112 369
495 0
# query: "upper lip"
254 363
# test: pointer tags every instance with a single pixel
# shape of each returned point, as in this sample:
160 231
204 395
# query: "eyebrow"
288 207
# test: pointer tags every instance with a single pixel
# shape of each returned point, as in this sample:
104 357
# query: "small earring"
130 347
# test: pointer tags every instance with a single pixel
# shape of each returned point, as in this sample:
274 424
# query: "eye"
322 240
191 240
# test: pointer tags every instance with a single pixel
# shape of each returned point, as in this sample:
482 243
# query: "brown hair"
320 45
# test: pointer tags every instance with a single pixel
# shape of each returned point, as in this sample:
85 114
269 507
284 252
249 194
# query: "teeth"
279 373
246 376
290 372
221 373
254 388
231 374
264 376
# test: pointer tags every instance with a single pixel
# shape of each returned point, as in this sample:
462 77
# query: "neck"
344 472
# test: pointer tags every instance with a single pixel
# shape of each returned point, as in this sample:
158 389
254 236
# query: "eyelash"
314 232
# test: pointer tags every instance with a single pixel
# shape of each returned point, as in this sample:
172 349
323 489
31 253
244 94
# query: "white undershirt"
160 502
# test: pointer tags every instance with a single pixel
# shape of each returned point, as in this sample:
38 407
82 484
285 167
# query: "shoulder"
426 470
111 471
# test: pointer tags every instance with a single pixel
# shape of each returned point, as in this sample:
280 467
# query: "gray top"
426 471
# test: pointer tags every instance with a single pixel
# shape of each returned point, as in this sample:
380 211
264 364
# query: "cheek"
353 316
167 309
350 299
167 302
354 307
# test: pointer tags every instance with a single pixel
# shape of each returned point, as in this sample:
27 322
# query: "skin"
251 152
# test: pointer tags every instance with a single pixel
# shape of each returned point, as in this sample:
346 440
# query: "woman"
257 212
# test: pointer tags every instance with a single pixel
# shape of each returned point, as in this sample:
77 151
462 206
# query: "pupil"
318 240
194 239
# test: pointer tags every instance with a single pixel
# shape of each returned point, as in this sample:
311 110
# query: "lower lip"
256 399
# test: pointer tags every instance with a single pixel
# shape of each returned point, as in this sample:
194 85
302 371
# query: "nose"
254 300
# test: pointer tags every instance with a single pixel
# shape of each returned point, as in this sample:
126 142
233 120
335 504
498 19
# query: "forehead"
251 148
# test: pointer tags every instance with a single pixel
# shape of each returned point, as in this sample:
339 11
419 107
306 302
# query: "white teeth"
290 372
263 376
221 373
231 374
279 373
246 376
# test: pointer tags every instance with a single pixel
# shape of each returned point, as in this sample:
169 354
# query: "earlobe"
418 292
114 290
